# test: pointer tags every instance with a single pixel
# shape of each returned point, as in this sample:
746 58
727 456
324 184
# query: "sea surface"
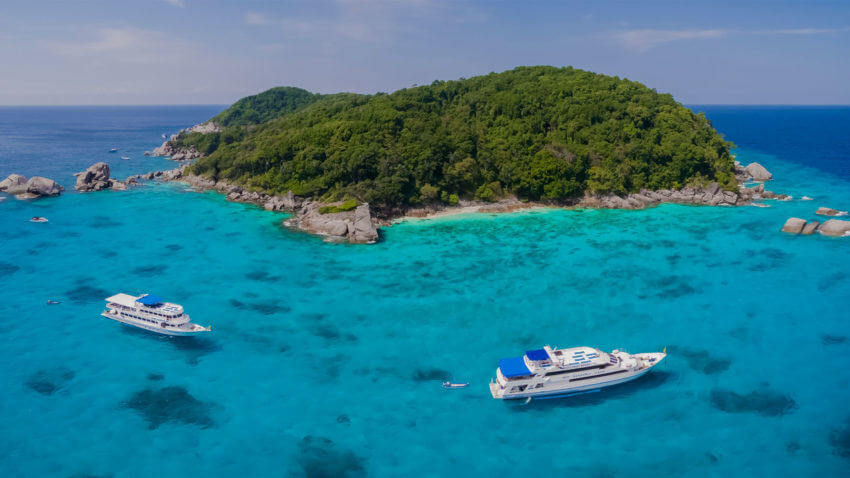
325 360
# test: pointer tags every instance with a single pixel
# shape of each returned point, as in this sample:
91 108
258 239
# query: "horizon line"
229 104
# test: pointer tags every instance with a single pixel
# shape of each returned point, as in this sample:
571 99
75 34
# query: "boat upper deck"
148 302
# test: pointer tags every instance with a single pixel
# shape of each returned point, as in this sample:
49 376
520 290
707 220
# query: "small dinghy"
113 150
38 219
125 157
53 302
454 385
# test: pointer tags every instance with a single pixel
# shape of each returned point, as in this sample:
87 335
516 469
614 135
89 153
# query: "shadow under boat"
201 345
594 397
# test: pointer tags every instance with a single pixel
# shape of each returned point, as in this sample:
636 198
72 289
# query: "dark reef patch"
700 360
104 221
672 287
763 401
828 339
262 276
829 281
86 293
343 419
170 404
156 377
331 333
7 268
107 254
428 374
174 247
49 381
319 457
839 438
769 258
147 271
264 307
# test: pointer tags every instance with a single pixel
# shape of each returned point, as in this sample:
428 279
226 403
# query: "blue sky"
216 51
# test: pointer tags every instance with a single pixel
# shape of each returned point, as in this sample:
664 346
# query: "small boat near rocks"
125 157
151 312
113 150
550 372
38 219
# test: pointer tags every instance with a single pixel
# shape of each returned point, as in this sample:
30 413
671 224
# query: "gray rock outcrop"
758 172
835 227
40 186
356 226
825 211
14 184
794 225
95 178
810 228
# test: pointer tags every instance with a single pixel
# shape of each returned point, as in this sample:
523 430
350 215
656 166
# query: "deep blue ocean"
325 360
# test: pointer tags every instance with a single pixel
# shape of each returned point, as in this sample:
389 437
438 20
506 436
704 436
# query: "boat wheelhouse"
551 372
151 312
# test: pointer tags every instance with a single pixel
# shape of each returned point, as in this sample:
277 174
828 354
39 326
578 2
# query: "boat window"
580 369
597 375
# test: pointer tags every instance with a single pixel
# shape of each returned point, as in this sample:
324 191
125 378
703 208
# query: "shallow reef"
763 401
319 457
49 381
701 360
839 438
428 374
170 404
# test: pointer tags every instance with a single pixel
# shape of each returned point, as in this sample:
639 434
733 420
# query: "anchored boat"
151 312
551 372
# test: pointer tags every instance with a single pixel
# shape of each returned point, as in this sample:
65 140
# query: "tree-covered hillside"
541 133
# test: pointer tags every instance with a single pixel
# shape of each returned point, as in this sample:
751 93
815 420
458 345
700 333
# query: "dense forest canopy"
540 133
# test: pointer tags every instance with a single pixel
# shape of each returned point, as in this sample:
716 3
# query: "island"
537 135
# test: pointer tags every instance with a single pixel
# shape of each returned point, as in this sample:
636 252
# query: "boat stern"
496 390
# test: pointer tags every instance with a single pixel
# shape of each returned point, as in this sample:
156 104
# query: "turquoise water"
326 360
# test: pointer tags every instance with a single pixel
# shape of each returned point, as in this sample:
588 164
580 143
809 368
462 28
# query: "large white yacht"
150 312
550 372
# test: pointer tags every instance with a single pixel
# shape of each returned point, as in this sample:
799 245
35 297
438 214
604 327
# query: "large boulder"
40 186
794 225
758 172
208 127
810 228
835 227
14 184
364 229
95 178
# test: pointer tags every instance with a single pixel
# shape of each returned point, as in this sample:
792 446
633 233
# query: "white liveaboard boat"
150 312
550 372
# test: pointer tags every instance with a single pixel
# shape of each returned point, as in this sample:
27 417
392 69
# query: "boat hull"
552 393
153 328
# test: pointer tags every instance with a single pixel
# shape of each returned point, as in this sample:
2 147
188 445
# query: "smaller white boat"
113 150
125 157
163 135
53 302
805 198
454 385
38 219
150 312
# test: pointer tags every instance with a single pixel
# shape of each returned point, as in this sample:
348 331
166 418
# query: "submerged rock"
794 225
764 402
835 227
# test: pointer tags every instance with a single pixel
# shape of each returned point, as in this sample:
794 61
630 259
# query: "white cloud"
645 39
176 3
642 40
124 45
253 18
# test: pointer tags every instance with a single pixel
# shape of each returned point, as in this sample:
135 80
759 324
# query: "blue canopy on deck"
537 355
513 367
150 300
